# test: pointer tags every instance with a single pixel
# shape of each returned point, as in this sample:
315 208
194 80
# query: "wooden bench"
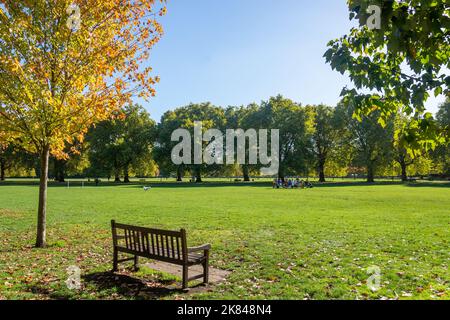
161 245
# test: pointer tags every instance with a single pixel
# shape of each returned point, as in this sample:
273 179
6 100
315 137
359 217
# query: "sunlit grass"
279 244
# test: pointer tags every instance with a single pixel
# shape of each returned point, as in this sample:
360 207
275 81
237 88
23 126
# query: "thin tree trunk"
117 175
55 169
322 170
246 174
198 175
404 173
62 176
42 211
370 174
126 174
180 174
2 170
59 170
37 168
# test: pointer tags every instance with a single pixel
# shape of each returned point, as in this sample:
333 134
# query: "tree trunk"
42 210
404 173
126 178
2 170
117 176
401 159
198 175
180 174
246 174
370 174
37 166
59 170
322 171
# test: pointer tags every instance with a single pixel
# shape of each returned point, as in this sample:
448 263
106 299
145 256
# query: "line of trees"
314 140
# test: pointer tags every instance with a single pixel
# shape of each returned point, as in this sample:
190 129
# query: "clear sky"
234 52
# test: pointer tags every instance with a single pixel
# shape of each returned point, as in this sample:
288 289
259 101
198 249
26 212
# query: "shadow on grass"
128 287
428 184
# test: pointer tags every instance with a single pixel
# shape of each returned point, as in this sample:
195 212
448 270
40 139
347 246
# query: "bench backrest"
164 245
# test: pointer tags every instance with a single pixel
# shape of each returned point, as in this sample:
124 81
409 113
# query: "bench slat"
192 257
157 243
148 230
151 256
196 277
178 247
173 247
126 238
153 243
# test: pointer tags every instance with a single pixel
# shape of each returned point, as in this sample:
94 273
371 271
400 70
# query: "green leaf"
437 91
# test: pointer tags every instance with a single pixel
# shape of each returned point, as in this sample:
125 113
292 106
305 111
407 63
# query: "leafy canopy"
121 143
56 81
395 68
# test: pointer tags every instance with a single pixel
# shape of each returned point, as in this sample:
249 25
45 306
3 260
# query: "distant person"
302 184
97 181
280 183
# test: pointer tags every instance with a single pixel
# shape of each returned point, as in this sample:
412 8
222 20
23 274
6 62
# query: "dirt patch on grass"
5 213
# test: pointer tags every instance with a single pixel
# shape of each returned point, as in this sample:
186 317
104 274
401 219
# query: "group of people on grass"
291 184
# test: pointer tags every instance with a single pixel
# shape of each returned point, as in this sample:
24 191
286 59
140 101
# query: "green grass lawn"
279 244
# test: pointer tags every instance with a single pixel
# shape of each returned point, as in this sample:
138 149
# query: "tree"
324 134
61 166
61 72
441 155
404 160
184 118
243 118
163 147
119 144
443 118
290 118
367 139
394 68
401 155
13 158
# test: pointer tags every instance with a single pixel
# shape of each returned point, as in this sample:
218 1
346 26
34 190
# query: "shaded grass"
279 244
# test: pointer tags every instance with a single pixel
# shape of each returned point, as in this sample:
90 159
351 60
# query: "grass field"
279 244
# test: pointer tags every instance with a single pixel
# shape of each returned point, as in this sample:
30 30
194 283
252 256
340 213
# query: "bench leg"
206 268
115 260
136 263
185 277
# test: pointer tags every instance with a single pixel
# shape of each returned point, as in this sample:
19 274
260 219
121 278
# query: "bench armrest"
200 248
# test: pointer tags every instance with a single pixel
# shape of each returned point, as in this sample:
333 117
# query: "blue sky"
234 52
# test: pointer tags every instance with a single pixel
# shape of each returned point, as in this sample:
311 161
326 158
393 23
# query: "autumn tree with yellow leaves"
66 65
